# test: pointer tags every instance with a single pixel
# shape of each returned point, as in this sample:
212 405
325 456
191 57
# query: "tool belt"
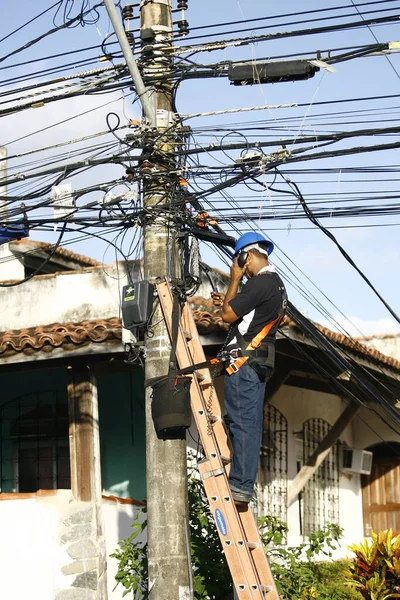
254 355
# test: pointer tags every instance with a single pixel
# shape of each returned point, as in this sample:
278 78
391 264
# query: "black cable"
341 249
220 44
376 39
30 21
63 121
50 32
345 362
285 15
69 5
287 23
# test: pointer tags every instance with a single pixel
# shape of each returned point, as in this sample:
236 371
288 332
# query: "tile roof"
31 246
208 319
207 316
68 335
351 344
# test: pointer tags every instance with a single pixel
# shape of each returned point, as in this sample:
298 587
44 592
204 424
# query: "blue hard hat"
253 238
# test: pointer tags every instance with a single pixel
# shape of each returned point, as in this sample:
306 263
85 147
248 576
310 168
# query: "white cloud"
356 327
30 122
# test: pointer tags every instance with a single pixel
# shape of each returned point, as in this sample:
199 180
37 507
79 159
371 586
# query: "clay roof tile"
208 318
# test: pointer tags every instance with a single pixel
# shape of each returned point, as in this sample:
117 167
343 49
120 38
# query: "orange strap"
257 339
254 344
234 367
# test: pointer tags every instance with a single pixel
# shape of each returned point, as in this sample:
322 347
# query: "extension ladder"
237 529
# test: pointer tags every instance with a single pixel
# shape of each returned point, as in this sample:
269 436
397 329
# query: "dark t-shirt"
257 304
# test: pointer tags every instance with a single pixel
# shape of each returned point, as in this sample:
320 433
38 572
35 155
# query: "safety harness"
258 352
255 353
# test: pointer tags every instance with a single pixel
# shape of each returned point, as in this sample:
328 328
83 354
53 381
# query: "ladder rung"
213 473
187 334
214 418
224 459
263 588
253 545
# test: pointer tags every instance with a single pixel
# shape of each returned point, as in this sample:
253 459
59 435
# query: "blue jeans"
244 402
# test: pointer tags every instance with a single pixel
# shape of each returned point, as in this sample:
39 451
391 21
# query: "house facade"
72 446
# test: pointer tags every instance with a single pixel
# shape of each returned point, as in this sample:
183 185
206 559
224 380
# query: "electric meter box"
137 304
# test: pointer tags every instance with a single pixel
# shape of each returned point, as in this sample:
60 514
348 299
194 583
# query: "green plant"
132 560
296 573
375 571
211 578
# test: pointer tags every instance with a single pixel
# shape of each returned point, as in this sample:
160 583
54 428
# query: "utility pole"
3 187
166 462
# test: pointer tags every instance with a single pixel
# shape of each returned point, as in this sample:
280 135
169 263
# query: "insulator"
130 173
183 27
130 37
127 12
182 5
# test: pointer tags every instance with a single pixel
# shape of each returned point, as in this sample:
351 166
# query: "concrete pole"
166 465
3 187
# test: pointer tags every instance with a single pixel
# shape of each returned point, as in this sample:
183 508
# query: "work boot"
239 496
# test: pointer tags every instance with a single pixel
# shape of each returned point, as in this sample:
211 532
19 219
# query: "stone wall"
81 534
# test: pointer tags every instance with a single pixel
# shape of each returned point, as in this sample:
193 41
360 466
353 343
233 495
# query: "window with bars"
34 448
272 492
320 497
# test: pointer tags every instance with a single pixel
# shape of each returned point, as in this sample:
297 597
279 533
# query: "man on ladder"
255 313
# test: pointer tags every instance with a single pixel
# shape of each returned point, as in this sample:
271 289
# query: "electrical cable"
238 42
31 20
287 23
340 248
66 24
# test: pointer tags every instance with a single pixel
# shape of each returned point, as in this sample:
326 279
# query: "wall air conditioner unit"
356 461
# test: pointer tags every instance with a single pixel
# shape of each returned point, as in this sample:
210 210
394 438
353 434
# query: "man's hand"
236 271
217 298
229 315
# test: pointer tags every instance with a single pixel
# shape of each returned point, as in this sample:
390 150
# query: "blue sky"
374 249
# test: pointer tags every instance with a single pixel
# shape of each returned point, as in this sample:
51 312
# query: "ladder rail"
245 514
245 554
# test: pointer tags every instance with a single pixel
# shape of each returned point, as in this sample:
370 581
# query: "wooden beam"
84 434
322 451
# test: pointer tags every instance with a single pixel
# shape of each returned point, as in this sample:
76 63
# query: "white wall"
369 429
10 266
72 296
387 344
298 405
31 554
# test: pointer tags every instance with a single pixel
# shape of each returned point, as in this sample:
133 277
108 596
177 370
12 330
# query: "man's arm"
228 314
